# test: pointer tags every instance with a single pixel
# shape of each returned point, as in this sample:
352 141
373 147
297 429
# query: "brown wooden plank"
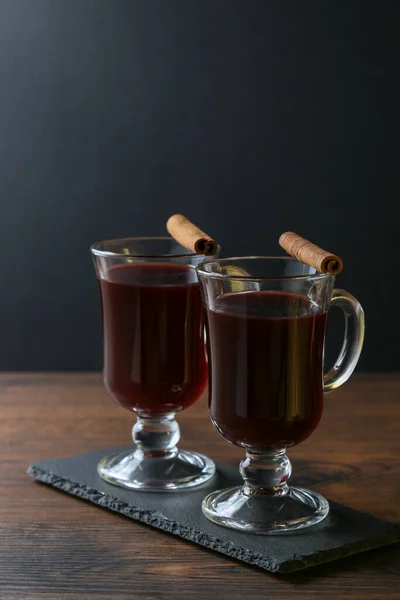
53 546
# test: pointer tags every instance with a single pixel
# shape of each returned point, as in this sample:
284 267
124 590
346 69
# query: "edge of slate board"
157 520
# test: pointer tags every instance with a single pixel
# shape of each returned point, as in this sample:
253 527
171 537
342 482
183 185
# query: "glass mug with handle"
266 320
154 357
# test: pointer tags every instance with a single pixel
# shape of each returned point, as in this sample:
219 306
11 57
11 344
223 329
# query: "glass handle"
353 340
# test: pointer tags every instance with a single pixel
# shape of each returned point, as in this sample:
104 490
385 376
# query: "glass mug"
154 357
266 322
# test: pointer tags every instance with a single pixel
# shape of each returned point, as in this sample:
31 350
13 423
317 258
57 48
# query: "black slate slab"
343 532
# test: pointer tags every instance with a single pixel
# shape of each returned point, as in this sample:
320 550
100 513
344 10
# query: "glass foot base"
265 513
174 471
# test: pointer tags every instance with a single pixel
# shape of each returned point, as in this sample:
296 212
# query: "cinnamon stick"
310 254
190 236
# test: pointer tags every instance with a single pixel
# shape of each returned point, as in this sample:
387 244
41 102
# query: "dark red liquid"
266 368
154 356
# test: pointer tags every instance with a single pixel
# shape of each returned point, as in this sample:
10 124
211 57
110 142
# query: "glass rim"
318 275
94 248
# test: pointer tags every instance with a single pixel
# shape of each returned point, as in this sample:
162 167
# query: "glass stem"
266 472
156 436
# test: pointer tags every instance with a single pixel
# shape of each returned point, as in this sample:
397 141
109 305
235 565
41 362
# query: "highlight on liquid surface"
154 355
266 388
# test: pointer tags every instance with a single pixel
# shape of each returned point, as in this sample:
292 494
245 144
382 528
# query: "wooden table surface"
54 546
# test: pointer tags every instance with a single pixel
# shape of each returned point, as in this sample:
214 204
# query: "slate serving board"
342 533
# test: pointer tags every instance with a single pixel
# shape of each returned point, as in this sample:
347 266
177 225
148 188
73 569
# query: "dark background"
251 116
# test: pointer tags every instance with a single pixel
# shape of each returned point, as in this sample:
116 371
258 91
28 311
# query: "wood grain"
53 546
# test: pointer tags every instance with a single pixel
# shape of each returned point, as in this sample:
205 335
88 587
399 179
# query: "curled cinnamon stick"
190 236
310 254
